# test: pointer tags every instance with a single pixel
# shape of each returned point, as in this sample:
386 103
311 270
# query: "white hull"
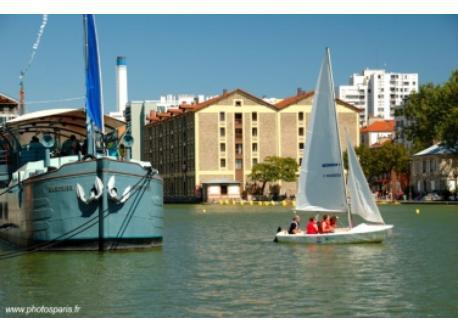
363 233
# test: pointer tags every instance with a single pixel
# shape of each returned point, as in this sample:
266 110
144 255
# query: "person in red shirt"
312 227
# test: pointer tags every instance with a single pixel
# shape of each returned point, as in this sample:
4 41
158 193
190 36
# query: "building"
8 108
378 92
434 169
378 132
136 115
219 140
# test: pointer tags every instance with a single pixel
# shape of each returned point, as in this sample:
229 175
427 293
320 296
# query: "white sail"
362 201
321 182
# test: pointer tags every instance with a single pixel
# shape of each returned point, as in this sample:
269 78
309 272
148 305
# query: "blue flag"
94 103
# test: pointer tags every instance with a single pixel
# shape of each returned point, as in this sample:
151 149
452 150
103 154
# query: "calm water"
223 263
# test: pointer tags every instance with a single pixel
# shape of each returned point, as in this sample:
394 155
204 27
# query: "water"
223 263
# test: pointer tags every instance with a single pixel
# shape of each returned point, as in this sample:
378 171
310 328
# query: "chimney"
224 91
121 84
299 91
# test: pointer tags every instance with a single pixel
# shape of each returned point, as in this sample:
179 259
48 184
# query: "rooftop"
379 126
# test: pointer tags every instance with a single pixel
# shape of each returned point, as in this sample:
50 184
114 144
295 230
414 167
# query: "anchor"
113 191
96 191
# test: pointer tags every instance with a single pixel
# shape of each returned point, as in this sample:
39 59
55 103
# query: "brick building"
219 140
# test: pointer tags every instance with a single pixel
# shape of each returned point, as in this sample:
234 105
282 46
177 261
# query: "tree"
273 169
382 161
432 114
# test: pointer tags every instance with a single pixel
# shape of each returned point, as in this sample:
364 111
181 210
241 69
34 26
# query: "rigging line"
35 45
56 100
57 240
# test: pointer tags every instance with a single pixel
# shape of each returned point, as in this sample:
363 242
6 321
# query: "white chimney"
121 84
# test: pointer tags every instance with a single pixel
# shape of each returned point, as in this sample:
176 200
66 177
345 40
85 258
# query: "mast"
21 95
333 96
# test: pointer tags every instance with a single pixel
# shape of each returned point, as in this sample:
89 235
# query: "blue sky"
267 55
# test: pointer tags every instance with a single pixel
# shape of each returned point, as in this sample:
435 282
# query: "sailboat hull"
45 212
362 233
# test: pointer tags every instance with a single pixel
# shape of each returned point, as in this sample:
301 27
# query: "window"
238 133
222 132
222 116
255 161
238 118
300 116
254 116
301 145
238 164
254 131
300 161
222 147
238 148
301 131
222 163
238 103
254 147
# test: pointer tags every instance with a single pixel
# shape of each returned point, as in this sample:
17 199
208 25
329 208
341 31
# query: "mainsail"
362 201
321 181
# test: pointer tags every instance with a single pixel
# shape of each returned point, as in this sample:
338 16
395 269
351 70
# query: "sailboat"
322 187
89 200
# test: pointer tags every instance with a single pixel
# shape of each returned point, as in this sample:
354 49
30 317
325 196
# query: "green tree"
274 169
432 114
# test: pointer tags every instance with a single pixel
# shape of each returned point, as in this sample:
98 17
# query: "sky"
266 55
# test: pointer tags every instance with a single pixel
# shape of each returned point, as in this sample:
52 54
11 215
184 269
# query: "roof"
5 99
303 95
67 121
185 108
436 150
211 101
293 99
379 126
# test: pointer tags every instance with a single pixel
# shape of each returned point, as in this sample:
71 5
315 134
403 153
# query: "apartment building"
378 92
200 149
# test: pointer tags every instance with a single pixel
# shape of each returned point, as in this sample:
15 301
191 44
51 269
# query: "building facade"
434 169
8 108
378 92
218 141
378 132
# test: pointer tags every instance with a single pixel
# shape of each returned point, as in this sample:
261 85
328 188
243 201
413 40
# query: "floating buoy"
417 211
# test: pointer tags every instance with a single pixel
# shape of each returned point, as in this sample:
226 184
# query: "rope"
57 240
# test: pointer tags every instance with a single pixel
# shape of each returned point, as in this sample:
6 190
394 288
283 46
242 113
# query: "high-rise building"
378 92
